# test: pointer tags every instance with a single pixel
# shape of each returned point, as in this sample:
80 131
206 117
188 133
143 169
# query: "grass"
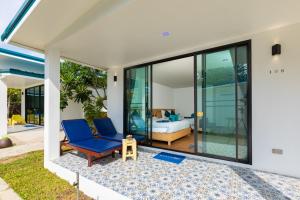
26 176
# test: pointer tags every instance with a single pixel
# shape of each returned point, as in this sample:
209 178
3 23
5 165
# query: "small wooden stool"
127 143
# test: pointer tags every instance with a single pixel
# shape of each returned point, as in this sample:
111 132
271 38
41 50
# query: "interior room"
173 104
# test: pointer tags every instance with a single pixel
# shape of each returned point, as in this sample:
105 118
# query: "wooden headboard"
157 112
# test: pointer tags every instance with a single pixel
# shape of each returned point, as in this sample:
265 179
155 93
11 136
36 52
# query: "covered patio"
114 35
194 178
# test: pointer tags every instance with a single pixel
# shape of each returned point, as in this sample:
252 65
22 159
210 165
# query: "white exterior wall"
115 97
23 107
3 108
72 111
275 99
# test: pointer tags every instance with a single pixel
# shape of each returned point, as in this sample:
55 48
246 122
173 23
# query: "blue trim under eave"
17 18
21 55
22 73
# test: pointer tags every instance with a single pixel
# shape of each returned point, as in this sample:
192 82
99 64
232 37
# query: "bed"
167 131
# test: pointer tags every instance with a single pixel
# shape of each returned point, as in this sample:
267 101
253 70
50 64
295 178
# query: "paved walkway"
24 142
6 192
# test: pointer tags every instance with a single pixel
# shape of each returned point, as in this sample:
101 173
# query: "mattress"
169 127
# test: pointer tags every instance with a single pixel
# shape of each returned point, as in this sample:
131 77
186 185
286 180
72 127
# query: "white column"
52 105
23 103
3 108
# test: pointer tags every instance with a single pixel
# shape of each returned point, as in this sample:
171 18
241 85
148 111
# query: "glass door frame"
246 43
40 104
148 103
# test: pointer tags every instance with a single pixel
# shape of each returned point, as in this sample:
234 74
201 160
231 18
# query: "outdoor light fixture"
166 34
115 78
276 49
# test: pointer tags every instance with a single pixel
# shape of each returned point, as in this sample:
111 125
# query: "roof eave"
26 6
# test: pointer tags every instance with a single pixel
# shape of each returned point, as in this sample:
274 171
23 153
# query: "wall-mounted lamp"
115 78
276 49
199 114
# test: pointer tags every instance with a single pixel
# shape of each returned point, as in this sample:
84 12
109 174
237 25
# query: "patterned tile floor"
148 178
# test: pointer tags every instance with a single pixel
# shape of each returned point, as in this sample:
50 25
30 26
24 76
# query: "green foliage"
83 85
28 177
13 101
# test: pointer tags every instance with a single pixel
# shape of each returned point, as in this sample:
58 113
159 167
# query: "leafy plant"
83 85
13 101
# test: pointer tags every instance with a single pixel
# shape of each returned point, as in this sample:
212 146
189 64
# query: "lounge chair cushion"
117 137
97 145
105 127
107 130
77 130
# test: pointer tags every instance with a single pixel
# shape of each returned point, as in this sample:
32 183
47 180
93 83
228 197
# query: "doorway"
173 105
220 120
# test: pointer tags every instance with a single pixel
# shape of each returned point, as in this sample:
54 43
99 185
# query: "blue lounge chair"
80 138
107 130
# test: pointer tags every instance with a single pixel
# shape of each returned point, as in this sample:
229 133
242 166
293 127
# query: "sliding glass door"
222 86
221 120
137 112
34 105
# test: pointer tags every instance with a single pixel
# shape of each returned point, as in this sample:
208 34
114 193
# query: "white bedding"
169 127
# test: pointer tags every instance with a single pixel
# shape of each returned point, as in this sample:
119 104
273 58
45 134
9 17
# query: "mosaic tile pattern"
152 179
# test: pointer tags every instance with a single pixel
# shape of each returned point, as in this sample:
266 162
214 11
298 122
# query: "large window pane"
242 102
137 100
219 136
34 107
222 99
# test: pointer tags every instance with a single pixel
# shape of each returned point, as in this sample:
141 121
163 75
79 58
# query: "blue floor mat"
169 157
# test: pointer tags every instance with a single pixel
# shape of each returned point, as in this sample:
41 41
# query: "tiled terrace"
148 178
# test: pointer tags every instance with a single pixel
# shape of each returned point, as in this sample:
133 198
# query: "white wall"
181 99
23 103
275 99
163 96
184 101
72 111
115 97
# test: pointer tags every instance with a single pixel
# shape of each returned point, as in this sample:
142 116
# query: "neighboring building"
26 72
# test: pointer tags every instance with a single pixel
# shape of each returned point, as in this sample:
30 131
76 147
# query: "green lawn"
26 175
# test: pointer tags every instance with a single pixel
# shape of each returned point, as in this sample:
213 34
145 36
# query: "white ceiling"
16 81
119 33
175 74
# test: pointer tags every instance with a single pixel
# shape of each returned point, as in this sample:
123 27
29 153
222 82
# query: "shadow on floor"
266 190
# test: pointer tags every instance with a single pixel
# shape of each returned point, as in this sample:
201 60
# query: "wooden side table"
129 148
